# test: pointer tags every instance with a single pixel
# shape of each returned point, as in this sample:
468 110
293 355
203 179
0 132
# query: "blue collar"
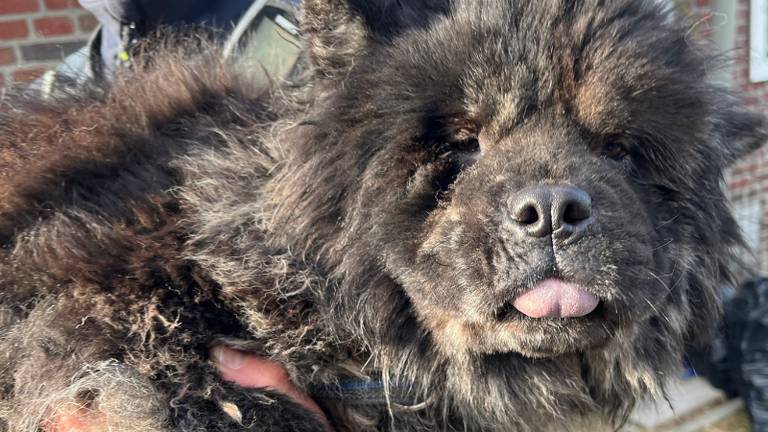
364 392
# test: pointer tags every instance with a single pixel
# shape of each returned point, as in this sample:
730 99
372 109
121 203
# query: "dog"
465 215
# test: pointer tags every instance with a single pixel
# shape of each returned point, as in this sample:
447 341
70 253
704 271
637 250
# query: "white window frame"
758 40
749 216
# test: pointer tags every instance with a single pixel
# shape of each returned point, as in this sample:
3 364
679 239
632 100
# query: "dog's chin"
539 338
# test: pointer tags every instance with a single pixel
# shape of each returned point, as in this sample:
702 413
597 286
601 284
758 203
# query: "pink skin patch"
553 298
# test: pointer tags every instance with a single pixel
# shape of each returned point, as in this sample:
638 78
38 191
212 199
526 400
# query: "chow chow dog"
483 215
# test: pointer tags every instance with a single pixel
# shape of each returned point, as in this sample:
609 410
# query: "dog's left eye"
616 148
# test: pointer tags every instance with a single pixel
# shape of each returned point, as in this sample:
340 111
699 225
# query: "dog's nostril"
571 206
526 215
576 212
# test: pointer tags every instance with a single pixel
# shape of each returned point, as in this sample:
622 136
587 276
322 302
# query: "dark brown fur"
345 227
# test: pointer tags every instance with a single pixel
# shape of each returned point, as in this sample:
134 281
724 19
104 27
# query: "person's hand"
236 366
74 418
252 371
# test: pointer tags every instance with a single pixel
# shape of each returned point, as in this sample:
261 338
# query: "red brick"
87 23
61 4
748 168
13 29
28 74
743 15
7 56
741 184
18 6
54 26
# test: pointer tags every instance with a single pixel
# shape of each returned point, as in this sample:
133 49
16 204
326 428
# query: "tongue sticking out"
553 298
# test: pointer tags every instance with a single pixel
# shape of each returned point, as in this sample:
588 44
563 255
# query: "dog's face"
546 185
530 180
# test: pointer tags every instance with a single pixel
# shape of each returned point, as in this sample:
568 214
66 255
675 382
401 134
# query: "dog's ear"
336 32
741 132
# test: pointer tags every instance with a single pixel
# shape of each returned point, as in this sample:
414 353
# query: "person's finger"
76 419
251 371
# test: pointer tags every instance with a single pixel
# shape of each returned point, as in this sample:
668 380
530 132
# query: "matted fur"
344 227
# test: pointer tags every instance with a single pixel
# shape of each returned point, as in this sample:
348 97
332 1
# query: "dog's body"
394 218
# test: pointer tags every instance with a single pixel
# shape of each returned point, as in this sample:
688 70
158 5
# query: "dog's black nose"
545 210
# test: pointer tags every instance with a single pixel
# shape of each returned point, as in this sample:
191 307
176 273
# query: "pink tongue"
553 298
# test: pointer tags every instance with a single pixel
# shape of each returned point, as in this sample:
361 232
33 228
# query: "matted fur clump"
509 213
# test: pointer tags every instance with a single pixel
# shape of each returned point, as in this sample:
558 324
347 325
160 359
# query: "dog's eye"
616 148
469 145
465 141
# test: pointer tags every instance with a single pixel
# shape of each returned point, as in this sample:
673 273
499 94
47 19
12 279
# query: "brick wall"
747 182
37 34
704 23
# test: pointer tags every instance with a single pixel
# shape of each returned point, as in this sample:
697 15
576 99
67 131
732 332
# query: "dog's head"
525 195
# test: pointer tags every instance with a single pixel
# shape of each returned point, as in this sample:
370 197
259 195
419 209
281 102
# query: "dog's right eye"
457 151
453 135
464 141
469 145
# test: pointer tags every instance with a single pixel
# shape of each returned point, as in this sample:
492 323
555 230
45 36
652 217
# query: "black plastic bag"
737 360
754 351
